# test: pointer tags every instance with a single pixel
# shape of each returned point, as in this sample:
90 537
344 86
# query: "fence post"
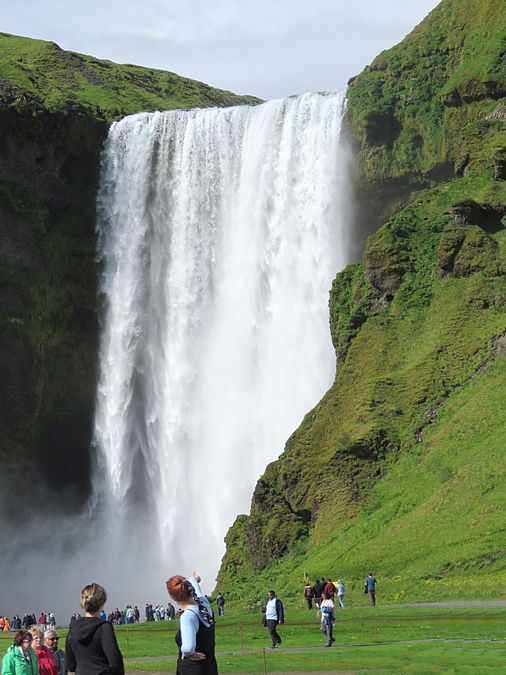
242 638
265 661
128 641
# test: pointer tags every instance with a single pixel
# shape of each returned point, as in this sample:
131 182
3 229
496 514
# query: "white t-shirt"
270 610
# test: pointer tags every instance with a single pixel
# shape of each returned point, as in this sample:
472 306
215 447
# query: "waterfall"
220 232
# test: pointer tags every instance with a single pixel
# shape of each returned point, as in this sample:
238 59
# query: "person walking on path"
370 588
195 637
340 593
318 588
328 618
330 589
274 615
91 647
308 594
220 604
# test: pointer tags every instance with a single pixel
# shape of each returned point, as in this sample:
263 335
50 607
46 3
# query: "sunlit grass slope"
34 71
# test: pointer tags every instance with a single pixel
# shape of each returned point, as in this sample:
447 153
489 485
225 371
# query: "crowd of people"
45 621
35 652
160 613
91 647
317 591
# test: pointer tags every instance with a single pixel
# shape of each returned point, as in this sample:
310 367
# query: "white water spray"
220 232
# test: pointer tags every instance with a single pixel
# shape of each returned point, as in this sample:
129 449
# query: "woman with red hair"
195 637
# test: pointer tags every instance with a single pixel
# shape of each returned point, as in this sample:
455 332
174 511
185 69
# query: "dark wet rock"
467 212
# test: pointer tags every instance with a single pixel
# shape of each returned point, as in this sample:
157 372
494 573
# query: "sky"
267 48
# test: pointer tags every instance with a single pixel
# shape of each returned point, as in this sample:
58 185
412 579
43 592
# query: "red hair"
177 589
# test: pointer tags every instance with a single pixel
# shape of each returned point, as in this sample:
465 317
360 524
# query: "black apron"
205 645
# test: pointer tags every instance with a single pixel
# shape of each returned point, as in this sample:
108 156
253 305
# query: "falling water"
220 232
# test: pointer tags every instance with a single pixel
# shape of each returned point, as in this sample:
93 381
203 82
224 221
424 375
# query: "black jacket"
91 648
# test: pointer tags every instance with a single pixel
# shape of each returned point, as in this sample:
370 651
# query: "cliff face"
398 469
49 169
55 107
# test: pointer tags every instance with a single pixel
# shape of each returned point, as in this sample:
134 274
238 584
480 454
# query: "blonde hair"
93 597
35 632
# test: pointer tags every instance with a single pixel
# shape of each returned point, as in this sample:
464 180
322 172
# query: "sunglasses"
54 639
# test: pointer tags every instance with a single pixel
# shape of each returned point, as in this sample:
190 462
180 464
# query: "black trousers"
271 627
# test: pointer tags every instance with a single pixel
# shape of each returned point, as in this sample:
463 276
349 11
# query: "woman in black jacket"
91 647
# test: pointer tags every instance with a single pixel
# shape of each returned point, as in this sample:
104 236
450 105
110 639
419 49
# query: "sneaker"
329 644
274 647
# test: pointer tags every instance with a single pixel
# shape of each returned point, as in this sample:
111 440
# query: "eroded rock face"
384 274
465 246
499 169
466 212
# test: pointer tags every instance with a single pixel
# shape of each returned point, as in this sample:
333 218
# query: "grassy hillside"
398 469
419 112
34 73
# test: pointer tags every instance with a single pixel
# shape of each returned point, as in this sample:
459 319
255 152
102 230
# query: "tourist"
195 637
91 647
330 589
370 588
42 621
45 657
129 615
220 604
274 615
20 658
340 593
308 595
328 618
16 622
317 589
51 641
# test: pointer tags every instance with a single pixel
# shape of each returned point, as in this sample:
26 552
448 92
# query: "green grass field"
381 639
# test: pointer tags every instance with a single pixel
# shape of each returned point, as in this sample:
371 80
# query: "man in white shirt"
274 615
